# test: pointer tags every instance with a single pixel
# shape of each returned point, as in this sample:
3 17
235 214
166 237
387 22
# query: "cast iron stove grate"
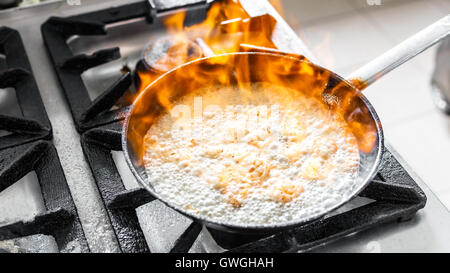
28 148
34 124
397 198
60 219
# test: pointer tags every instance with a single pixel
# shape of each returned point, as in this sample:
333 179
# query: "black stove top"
393 194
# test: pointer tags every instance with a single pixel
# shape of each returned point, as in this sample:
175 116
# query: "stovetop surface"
425 232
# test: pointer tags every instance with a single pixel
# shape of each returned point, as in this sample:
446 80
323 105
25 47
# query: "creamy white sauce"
261 157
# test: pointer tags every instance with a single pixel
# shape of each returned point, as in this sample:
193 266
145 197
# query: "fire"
226 28
229 29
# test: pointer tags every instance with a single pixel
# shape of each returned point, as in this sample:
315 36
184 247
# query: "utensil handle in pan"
401 53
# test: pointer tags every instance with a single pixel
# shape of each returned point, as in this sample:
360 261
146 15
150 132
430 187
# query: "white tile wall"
344 40
424 141
346 34
400 95
445 197
307 12
401 19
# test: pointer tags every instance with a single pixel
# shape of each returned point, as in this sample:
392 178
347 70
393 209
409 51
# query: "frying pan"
340 94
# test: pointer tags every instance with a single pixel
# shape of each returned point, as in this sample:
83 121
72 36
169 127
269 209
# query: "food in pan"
260 154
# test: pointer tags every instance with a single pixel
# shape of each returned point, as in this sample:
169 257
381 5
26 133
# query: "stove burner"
163 54
28 149
158 58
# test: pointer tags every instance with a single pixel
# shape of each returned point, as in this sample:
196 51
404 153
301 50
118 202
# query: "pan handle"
401 53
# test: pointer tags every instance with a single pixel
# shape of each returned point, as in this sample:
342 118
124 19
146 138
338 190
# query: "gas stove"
84 197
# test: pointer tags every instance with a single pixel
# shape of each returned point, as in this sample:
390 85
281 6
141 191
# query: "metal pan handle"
401 53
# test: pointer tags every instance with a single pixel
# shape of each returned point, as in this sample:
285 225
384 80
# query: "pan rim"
253 227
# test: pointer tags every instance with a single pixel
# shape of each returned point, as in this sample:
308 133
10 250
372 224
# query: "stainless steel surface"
25 4
21 201
8 105
428 232
403 52
30 244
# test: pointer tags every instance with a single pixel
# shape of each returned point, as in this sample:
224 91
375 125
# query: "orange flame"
227 26
228 29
